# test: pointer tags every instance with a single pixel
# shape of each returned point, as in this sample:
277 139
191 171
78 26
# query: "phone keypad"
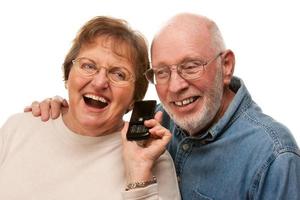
138 129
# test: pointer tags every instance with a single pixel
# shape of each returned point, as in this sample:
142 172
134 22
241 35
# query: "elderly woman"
84 154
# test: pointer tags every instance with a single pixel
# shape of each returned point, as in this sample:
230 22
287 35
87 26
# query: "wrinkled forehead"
173 46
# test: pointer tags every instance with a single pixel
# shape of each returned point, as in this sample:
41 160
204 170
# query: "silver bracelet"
141 184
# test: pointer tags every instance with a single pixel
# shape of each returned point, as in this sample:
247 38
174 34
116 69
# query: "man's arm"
280 180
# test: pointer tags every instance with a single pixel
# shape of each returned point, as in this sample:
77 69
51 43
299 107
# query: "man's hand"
50 107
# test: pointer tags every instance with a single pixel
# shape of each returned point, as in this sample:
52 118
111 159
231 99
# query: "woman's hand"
139 157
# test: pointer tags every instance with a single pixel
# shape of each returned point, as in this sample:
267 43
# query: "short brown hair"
119 32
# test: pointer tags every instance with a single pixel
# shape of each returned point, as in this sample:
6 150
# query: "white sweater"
46 161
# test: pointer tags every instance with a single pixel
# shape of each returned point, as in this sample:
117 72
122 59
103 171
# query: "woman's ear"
228 63
66 84
130 107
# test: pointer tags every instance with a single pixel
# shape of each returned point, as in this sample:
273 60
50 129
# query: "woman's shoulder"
21 121
21 117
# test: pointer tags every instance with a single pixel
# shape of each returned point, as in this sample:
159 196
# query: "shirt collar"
241 101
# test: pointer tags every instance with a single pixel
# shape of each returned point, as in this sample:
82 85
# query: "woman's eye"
88 66
118 74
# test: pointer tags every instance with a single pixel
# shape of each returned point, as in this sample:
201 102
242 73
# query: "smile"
185 101
95 101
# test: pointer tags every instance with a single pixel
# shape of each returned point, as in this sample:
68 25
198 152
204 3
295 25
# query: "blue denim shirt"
245 155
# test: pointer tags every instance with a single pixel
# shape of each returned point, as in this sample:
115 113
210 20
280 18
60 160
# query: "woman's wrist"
138 171
141 184
135 175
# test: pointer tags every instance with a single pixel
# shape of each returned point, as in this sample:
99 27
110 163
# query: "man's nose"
176 82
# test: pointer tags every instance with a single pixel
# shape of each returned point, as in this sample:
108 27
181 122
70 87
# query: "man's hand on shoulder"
48 108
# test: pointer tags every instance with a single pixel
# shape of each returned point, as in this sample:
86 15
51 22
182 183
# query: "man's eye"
191 66
161 73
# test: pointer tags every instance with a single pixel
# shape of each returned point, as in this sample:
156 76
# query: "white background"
264 34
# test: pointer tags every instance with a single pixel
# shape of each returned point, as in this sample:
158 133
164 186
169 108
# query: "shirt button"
185 147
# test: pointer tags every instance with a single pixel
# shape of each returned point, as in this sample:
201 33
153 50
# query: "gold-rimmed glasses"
117 75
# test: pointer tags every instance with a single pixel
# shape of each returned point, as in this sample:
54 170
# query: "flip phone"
142 110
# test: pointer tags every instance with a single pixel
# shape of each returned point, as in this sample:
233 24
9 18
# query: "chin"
193 123
90 121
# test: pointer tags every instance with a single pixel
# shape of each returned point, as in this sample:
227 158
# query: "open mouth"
186 102
95 101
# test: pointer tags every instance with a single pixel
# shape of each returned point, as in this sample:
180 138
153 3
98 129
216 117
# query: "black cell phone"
142 110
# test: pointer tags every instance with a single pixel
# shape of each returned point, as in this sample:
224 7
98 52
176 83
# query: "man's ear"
228 63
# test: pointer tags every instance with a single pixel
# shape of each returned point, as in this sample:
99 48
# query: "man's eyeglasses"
188 70
118 76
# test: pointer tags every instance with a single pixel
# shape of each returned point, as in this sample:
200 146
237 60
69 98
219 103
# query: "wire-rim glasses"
189 70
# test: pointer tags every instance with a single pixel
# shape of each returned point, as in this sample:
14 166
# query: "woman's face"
96 106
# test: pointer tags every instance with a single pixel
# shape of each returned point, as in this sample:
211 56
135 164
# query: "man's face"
192 104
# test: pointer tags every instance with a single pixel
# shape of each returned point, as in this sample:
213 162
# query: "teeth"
97 98
184 102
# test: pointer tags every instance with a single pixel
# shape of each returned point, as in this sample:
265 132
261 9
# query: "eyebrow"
118 63
87 59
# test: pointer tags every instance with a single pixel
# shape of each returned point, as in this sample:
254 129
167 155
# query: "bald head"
186 21
187 27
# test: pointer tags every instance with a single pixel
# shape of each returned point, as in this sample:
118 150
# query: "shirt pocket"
198 196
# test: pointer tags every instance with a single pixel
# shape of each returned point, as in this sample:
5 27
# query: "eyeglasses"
189 70
119 76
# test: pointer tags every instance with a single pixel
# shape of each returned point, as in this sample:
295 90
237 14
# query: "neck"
228 95
87 130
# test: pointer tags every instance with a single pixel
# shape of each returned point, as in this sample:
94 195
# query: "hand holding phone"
142 110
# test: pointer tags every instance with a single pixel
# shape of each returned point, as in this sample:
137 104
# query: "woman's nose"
100 79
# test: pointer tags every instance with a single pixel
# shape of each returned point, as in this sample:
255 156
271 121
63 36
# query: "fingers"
45 107
59 100
56 105
35 109
27 109
65 103
40 109
156 129
158 116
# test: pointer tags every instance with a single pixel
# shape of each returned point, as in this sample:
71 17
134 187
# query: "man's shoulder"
275 133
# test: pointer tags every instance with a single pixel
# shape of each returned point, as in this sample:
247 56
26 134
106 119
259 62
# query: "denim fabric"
245 155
